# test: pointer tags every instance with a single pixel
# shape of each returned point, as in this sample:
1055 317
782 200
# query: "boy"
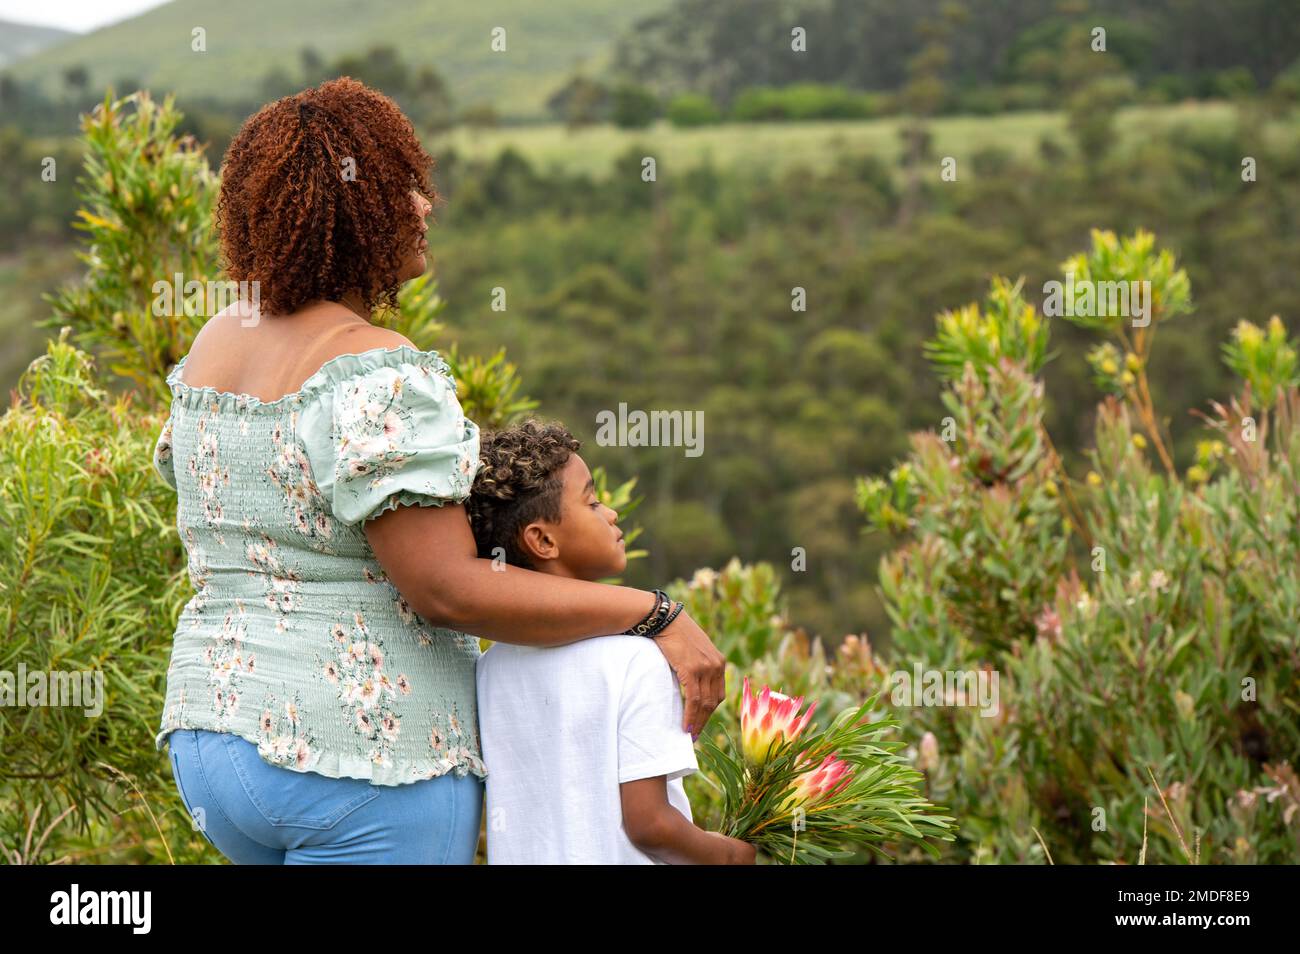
583 742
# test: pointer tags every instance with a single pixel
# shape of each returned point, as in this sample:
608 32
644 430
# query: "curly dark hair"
518 481
291 220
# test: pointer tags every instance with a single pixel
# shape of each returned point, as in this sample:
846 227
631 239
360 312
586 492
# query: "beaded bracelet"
664 624
654 621
661 607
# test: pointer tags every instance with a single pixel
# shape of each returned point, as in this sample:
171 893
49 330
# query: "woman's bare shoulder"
364 337
232 355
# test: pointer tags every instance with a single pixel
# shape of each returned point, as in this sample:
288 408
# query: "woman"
320 699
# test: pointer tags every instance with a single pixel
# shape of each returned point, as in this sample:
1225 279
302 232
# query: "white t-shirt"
561 727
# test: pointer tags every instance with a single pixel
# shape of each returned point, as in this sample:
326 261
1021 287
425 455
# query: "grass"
815 145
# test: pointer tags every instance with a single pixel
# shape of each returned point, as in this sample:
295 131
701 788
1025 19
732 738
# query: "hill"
246 39
21 40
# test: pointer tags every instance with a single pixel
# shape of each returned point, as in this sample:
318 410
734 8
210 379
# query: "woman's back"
295 639
240 351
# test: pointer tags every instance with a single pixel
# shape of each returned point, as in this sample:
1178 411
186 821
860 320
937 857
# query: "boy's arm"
659 829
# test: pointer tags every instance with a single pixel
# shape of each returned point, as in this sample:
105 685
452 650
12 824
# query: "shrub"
1141 620
147 198
692 109
635 107
1286 85
91 582
803 101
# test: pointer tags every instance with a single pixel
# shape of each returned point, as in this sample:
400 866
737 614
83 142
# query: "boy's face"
586 544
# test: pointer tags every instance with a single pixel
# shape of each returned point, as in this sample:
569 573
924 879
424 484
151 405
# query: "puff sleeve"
162 453
389 432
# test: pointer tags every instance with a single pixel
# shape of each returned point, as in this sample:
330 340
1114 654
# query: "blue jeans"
256 813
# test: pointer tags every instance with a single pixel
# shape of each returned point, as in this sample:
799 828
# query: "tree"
635 107
76 79
430 100
381 67
922 97
579 102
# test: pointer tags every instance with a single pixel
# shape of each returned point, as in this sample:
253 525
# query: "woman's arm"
429 554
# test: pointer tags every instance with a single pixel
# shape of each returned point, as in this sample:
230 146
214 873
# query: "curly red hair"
291 220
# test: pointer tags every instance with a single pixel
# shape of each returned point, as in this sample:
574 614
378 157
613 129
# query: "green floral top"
295 639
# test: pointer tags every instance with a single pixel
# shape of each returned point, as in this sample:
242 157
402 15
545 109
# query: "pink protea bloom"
823 782
768 721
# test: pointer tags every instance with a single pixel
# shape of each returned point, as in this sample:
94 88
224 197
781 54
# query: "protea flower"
821 783
769 720
927 758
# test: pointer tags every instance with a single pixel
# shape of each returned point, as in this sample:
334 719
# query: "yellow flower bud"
1249 335
1094 479
1133 362
1108 366
1139 442
1127 379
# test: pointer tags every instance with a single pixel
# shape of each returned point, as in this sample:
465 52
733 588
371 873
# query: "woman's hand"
700 668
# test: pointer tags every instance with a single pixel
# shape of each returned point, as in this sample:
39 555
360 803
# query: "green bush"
692 109
804 101
635 107
1238 81
1142 621
146 209
91 583
1286 85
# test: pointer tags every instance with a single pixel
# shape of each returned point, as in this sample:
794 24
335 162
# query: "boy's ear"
538 543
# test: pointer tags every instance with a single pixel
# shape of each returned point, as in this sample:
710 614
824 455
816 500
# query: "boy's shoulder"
618 649
638 654
627 669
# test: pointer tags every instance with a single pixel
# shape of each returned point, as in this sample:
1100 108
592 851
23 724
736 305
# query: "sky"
79 16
